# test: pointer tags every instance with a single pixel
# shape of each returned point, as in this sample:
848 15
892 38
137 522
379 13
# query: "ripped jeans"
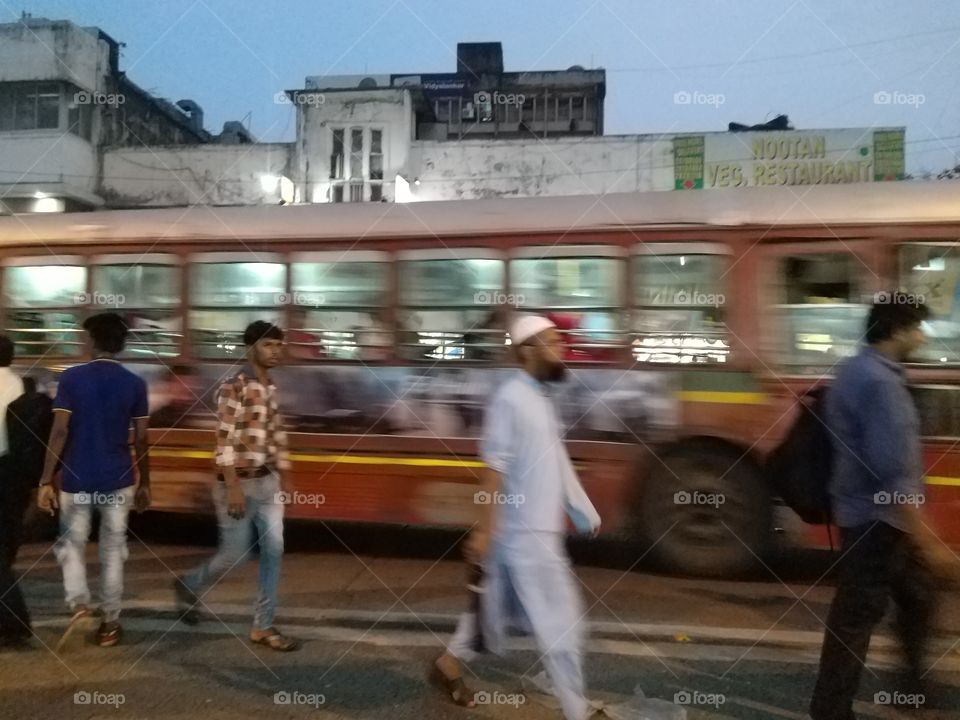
76 513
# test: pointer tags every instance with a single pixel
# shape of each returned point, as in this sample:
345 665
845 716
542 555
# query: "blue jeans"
264 514
76 514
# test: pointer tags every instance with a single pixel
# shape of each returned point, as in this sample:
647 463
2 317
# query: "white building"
76 133
65 105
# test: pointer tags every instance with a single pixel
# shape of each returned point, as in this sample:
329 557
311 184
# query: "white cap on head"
526 326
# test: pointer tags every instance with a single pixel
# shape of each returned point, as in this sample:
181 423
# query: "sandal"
82 621
108 634
275 640
454 687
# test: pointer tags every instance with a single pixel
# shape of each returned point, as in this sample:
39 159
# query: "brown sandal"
454 687
277 641
82 622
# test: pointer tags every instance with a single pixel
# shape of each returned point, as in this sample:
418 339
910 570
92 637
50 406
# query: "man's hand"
141 500
236 502
47 498
476 547
942 564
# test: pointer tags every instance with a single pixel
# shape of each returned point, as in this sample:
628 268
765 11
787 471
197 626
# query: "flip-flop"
82 623
454 687
277 641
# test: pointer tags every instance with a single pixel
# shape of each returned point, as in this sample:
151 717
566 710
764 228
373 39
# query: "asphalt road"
374 606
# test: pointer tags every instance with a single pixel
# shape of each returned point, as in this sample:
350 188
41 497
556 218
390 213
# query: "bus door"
928 272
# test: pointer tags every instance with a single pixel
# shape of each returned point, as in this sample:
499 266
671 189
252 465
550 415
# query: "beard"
554 372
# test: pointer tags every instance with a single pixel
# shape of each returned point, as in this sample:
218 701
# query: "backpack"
29 419
799 469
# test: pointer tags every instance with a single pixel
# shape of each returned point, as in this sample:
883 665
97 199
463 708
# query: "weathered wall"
525 168
48 158
185 175
60 51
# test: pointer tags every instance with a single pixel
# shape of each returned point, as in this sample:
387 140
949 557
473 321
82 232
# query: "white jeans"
76 514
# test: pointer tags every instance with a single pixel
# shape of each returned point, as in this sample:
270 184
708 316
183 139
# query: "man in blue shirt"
876 490
96 405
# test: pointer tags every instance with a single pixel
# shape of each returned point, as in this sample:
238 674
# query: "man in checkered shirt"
252 486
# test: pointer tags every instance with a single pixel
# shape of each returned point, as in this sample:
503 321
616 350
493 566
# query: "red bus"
693 322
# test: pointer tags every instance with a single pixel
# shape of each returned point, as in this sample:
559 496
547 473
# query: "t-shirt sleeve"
140 406
64 400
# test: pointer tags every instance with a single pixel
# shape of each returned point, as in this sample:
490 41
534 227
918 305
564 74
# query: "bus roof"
861 204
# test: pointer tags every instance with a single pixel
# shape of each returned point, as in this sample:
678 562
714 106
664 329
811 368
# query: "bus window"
227 296
929 273
580 294
147 295
337 310
678 308
822 320
451 308
45 304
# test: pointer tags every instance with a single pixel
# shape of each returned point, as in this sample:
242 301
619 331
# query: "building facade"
63 103
76 133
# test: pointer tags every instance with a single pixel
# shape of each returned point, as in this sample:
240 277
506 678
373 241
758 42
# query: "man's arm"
478 542
497 451
891 456
141 447
47 497
887 445
279 435
228 406
140 411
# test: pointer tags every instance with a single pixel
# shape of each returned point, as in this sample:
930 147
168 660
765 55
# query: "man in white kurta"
533 488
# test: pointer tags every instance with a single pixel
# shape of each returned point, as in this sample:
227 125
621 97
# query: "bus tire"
705 511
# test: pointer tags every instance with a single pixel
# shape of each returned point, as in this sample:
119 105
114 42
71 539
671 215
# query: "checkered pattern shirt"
250 430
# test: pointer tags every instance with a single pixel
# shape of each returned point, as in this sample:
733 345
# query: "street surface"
374 606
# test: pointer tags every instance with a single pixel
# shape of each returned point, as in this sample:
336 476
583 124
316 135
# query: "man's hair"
6 351
260 329
108 331
892 312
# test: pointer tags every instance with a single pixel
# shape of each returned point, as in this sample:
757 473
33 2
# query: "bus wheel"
705 511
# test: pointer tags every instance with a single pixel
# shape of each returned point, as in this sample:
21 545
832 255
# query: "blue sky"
819 61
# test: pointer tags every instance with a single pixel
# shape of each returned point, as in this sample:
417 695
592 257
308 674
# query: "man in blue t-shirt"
95 407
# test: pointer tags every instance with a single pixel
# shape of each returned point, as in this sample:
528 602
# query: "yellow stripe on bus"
420 462
350 459
373 460
717 396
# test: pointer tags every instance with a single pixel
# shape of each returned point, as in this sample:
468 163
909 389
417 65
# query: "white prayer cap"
526 326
